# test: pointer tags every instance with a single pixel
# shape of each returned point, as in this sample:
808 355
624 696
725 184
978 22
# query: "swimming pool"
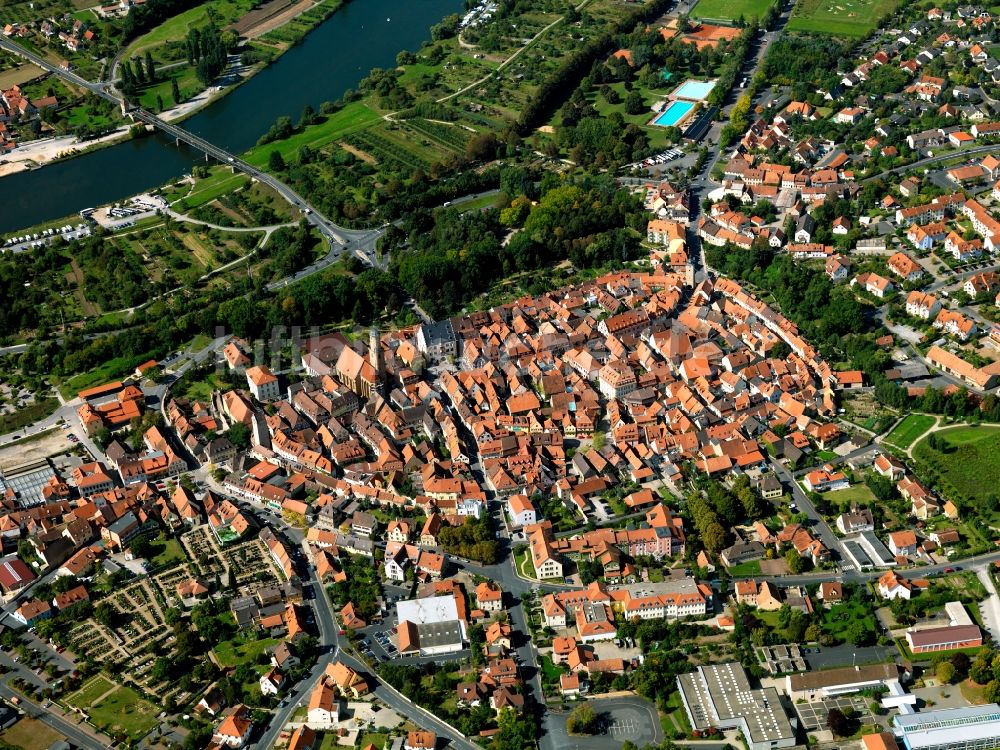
673 114
694 90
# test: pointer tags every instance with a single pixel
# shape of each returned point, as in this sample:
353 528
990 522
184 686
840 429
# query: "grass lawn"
853 18
975 447
677 716
915 425
222 181
187 83
30 734
973 692
657 135
744 570
233 653
354 117
167 551
730 10
550 670
222 12
115 708
90 692
859 493
113 369
126 712
329 741
523 564
837 620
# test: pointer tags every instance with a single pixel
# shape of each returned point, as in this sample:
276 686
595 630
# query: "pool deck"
690 106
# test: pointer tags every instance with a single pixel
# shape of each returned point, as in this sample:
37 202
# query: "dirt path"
363 155
933 428
88 307
278 19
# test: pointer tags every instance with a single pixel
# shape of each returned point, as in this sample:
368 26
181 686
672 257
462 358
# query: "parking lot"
813 715
620 720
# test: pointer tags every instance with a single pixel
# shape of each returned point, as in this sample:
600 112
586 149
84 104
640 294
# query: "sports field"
853 18
730 10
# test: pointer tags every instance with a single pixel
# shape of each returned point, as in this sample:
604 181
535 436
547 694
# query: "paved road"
933 160
332 650
818 524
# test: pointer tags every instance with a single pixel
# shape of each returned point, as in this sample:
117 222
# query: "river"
333 58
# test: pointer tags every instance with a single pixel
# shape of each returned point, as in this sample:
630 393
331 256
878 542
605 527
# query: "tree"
141 547
838 723
175 91
150 67
981 671
634 105
275 162
582 720
482 147
105 614
945 672
239 435
796 563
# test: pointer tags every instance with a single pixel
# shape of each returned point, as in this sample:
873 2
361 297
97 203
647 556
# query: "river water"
333 58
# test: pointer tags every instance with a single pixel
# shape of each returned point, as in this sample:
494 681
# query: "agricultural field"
18 74
912 427
730 10
850 18
175 257
962 448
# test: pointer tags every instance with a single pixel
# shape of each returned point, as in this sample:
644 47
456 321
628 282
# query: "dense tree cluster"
207 50
361 586
472 540
443 260
706 522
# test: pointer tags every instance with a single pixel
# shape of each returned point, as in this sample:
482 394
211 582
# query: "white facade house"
521 511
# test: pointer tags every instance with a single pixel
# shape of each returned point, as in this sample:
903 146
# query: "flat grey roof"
720 694
434 635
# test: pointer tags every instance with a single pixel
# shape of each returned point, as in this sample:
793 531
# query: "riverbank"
45 151
306 75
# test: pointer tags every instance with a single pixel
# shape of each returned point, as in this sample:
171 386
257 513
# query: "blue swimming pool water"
673 114
694 90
